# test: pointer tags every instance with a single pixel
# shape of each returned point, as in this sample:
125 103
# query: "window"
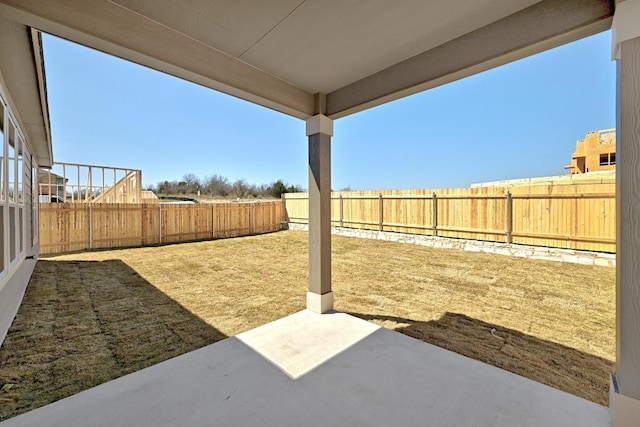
15 191
20 188
20 175
35 208
12 233
1 152
11 190
2 239
11 163
607 159
21 229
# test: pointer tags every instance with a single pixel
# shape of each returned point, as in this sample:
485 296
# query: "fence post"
341 212
575 223
253 218
509 237
283 217
380 211
160 223
144 233
434 213
90 227
213 220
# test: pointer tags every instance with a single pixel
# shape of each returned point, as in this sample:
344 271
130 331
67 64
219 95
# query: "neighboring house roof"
44 176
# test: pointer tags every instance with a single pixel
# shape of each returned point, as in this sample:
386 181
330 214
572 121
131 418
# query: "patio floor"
319 370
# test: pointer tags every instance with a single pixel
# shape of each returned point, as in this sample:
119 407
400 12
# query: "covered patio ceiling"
354 53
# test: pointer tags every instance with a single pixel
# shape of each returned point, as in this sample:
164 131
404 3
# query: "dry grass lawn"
91 317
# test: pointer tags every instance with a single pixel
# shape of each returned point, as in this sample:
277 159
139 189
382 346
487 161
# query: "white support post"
624 398
319 132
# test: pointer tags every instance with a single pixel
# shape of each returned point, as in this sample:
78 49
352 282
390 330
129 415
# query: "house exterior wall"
18 210
16 204
18 213
596 152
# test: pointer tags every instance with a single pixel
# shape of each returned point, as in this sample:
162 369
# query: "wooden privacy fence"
564 216
67 227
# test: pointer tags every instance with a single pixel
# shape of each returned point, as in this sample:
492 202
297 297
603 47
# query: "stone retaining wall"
523 251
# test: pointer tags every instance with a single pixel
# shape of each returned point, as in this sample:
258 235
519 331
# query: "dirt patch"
91 317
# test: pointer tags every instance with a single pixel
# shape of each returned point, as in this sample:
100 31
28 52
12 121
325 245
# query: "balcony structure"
80 183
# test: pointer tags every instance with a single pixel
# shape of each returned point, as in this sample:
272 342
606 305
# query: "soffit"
280 53
323 45
22 75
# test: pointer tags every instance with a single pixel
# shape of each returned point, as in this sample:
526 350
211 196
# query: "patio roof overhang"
279 54
22 70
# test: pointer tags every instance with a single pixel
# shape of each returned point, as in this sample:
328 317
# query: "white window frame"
22 202
3 199
35 203
17 203
12 202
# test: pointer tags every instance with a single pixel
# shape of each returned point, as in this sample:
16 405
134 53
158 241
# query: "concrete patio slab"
293 344
385 378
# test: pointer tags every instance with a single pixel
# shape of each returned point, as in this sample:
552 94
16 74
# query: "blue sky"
520 120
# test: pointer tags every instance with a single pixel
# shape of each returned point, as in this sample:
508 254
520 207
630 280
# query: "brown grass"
91 317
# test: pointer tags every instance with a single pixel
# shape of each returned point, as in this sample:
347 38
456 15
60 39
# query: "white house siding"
18 212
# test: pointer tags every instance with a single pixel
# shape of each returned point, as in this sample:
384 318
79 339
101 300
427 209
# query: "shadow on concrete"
550 363
83 323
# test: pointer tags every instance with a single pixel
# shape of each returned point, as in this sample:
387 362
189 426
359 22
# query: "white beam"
46 157
319 124
625 25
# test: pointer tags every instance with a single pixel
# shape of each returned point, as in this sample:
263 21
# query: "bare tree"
217 185
241 188
191 183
